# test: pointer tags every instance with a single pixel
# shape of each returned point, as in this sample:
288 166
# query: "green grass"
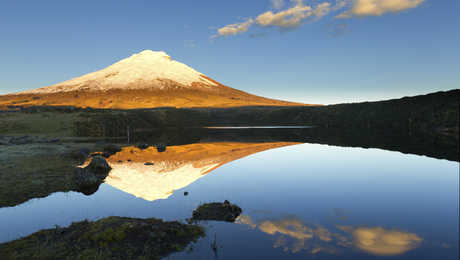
23 178
37 170
45 124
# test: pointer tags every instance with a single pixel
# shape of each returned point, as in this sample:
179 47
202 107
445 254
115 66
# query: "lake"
305 194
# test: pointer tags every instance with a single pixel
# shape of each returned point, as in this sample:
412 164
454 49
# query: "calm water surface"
299 201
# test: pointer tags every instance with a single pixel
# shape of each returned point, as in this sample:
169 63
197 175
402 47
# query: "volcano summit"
145 80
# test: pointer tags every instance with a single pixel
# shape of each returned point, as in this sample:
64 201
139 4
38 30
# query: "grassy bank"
37 170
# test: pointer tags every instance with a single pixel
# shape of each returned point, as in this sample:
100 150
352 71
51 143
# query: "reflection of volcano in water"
176 168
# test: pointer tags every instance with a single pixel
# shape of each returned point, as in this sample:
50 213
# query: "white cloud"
322 10
291 17
299 12
339 4
294 16
361 8
285 19
234 29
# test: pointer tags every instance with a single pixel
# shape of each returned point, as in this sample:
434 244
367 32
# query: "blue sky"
365 50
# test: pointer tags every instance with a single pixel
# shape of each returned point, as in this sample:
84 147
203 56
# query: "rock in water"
161 148
99 166
143 146
89 178
217 211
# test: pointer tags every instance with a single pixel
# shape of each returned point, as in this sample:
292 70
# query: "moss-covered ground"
108 238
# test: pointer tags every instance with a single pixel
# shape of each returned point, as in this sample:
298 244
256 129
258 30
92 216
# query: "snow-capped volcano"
147 69
144 80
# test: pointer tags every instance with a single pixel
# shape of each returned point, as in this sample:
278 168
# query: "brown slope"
171 94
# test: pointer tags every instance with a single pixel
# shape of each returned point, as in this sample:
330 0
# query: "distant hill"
145 80
431 112
436 113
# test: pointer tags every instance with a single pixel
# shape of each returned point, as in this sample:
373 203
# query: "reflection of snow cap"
149 183
175 168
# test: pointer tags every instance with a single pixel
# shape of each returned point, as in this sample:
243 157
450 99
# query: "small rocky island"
108 238
217 211
118 237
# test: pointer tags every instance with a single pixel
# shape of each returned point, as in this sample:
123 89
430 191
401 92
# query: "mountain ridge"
125 74
144 80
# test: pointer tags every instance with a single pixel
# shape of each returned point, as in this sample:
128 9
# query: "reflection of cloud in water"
295 236
245 220
289 227
379 241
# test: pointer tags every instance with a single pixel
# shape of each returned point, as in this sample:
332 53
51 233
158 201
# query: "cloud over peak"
234 29
284 19
294 16
291 17
299 12
361 8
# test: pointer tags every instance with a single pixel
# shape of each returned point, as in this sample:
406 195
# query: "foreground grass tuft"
108 238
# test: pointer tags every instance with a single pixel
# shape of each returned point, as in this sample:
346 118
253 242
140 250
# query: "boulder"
99 166
86 180
161 148
92 175
217 211
143 146
106 154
